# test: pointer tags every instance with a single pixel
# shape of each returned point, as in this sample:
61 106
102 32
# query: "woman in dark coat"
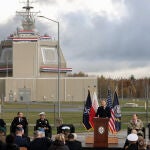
59 143
103 111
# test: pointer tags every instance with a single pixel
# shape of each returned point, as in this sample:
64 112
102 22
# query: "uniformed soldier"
42 124
136 124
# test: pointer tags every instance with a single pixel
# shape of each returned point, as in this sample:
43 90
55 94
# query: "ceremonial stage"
118 146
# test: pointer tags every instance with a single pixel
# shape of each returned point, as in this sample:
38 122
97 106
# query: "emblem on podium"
101 130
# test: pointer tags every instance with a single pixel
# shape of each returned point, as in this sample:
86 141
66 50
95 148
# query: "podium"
101 132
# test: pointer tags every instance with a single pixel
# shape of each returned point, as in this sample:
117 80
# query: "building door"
25 94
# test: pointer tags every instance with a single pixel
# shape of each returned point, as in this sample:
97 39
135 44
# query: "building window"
49 55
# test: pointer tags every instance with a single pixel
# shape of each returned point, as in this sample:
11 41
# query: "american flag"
111 122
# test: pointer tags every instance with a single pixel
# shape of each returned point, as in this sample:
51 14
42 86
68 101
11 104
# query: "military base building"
29 67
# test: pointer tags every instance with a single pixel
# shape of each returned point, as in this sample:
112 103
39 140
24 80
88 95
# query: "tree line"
126 87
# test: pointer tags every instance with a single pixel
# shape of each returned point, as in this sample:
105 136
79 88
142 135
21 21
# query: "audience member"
141 143
43 124
127 141
148 145
72 143
19 139
132 138
2 124
19 121
66 131
10 144
40 142
59 143
2 134
2 145
136 124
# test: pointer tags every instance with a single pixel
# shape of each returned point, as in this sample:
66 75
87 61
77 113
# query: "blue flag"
86 111
117 112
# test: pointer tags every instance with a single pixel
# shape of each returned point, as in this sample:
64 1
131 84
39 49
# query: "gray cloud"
9 27
94 43
45 2
104 44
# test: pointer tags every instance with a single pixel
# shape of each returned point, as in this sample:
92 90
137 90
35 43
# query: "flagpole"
94 89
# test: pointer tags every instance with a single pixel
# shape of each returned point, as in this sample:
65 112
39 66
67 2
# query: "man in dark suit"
103 111
39 142
42 124
19 121
72 143
21 140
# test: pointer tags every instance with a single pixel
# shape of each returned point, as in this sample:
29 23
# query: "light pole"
58 53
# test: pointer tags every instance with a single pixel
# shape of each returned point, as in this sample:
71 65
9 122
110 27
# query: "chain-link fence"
71 113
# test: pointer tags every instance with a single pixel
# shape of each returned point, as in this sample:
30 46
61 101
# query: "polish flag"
93 109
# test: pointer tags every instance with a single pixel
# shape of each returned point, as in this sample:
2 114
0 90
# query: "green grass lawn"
31 111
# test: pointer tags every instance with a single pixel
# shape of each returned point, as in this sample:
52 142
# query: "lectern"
101 132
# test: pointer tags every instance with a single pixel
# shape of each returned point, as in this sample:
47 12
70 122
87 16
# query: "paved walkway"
121 136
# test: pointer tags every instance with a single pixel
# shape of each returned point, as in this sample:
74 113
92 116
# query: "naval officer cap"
132 137
65 128
42 113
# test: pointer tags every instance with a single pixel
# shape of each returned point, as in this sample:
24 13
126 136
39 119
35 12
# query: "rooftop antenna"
28 22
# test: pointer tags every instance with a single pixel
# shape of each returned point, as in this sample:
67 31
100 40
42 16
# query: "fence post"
54 115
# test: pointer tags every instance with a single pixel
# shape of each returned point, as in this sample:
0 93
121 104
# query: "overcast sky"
98 37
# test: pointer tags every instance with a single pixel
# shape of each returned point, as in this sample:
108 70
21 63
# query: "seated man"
40 142
72 143
10 143
60 129
19 121
66 131
20 140
126 145
133 139
43 124
136 124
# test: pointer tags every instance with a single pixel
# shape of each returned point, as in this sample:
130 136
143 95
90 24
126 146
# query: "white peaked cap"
132 137
42 113
65 127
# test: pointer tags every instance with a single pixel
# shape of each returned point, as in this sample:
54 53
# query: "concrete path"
120 135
